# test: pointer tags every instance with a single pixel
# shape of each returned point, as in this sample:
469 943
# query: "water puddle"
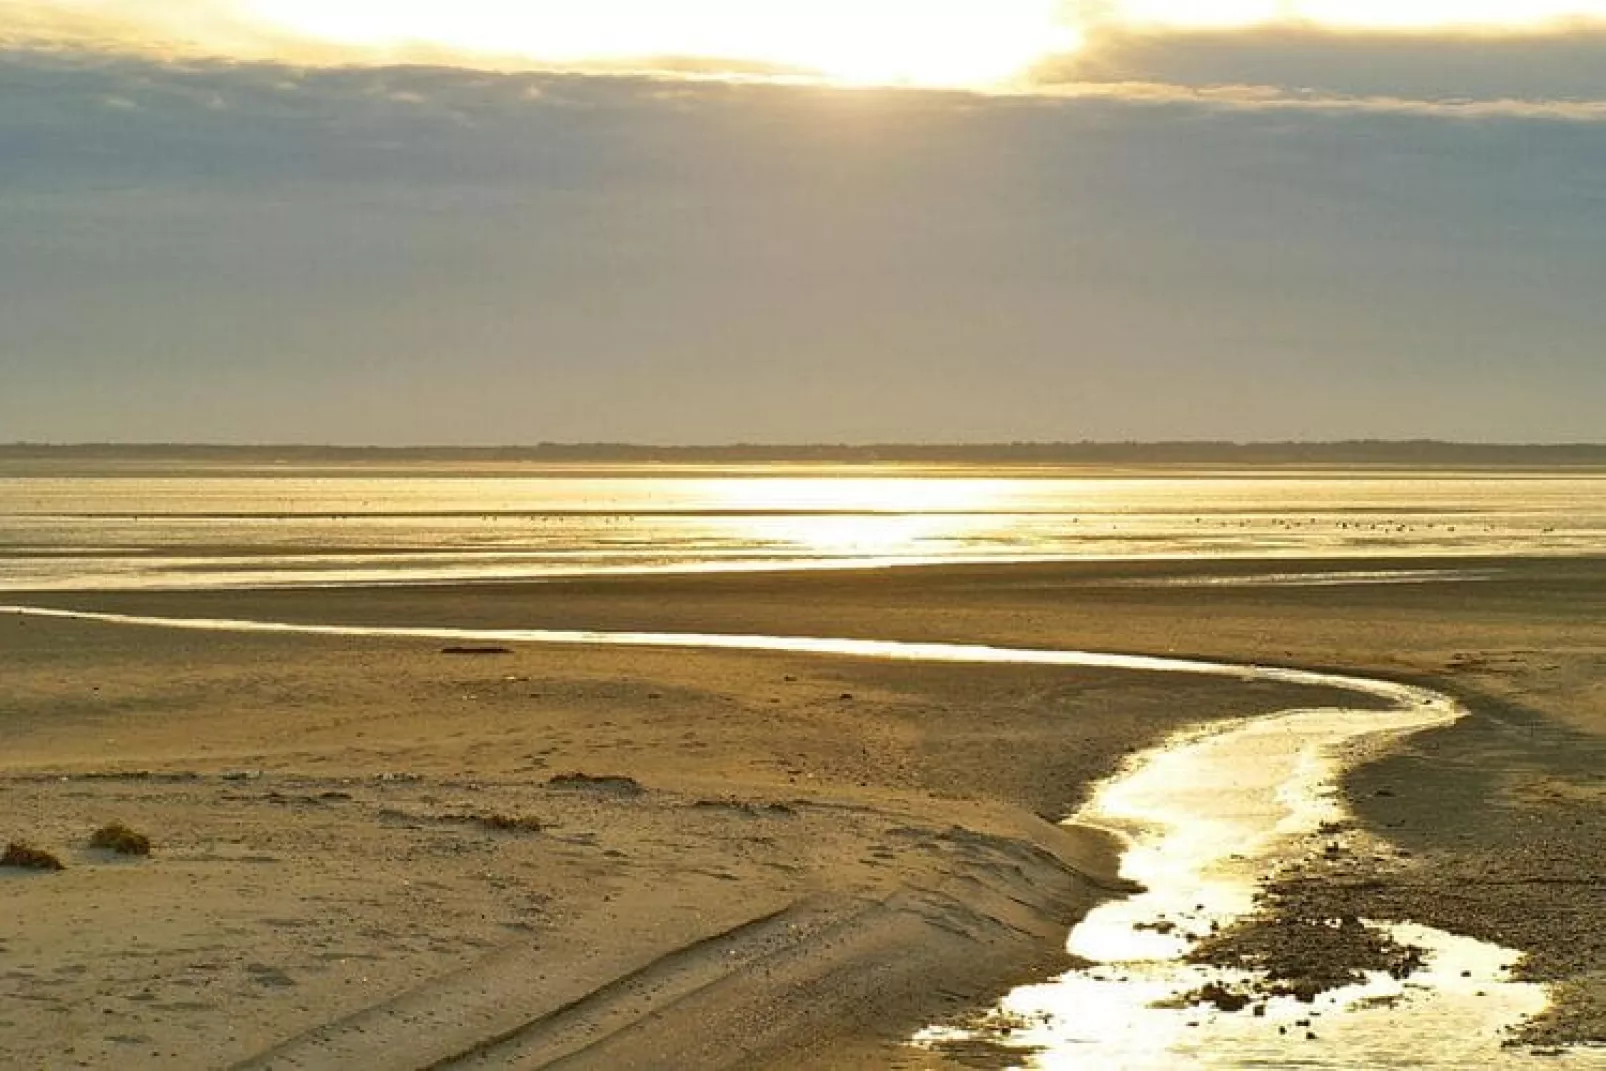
1450 1015
1207 818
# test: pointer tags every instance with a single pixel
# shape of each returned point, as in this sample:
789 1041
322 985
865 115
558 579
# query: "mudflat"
379 852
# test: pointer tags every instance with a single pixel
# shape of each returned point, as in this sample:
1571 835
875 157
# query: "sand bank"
813 857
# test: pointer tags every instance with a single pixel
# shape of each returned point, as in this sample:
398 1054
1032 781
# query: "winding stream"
1206 817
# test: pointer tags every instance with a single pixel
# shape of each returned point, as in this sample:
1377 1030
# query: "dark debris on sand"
1495 830
612 784
1302 955
26 857
120 839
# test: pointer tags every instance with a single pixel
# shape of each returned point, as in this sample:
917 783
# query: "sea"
191 524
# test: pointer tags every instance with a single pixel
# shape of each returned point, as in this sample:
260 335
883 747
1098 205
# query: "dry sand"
367 853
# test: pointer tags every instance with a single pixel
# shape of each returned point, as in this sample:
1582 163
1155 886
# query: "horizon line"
736 445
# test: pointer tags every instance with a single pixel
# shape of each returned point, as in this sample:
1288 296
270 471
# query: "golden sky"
951 43
409 221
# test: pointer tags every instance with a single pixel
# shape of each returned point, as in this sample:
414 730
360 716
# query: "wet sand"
812 856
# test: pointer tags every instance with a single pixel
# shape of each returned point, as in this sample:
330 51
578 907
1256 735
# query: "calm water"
225 525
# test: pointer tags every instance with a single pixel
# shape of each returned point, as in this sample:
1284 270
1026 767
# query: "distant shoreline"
1361 453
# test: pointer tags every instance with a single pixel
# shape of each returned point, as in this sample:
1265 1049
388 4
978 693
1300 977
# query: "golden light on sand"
913 42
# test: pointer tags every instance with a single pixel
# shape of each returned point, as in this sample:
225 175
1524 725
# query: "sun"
934 43
898 42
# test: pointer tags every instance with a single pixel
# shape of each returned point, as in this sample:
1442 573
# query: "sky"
709 221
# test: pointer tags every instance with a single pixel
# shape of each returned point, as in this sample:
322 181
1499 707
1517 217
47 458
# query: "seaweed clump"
506 823
120 839
616 785
26 857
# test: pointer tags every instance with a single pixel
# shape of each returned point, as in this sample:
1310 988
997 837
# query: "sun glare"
965 44
869 494
915 42
878 517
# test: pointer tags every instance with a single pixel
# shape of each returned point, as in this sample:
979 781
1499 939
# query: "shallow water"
1451 1016
1207 818
212 526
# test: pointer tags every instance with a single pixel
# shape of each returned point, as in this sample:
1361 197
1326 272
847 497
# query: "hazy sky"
473 221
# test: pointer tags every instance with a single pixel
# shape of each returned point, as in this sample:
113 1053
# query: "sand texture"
375 853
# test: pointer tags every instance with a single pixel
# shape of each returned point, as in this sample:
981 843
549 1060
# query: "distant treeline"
1427 453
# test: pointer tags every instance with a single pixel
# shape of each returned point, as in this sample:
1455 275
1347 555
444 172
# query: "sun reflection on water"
882 494
877 517
1207 818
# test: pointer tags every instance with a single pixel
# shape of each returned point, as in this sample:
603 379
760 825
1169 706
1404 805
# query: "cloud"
868 41
1427 66
1515 60
406 253
1555 72
1271 98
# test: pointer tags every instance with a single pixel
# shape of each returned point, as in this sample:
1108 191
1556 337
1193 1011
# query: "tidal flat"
369 852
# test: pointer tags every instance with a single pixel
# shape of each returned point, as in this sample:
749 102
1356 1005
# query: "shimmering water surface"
213 525
1206 819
